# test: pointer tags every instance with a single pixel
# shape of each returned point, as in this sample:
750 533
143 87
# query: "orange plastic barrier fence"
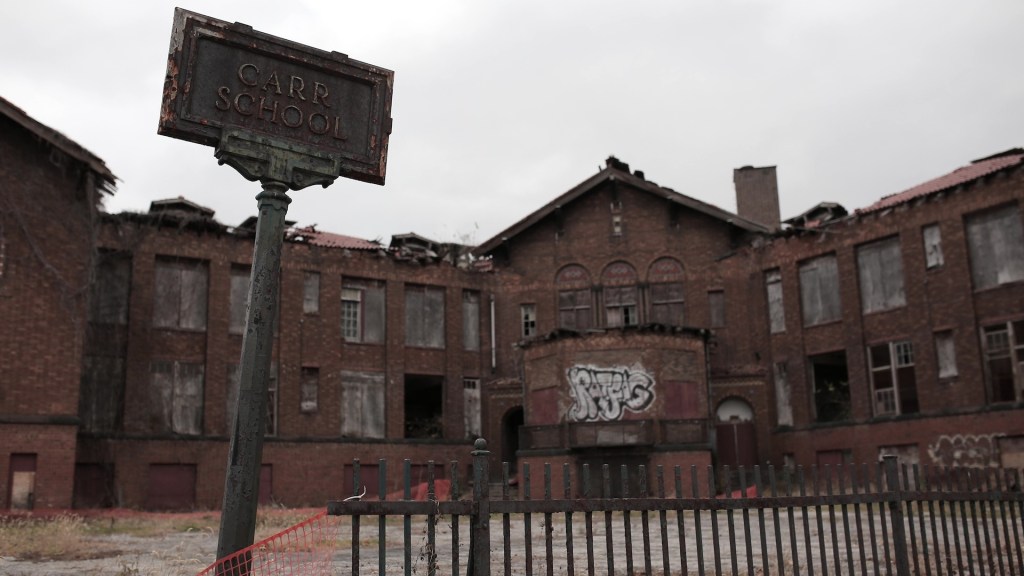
306 548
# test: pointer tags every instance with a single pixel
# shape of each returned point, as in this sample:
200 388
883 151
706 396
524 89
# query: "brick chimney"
757 195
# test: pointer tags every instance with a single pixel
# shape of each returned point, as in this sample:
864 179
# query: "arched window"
665 280
574 296
620 295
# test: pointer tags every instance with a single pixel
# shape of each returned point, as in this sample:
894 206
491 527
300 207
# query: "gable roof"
973 171
616 171
105 179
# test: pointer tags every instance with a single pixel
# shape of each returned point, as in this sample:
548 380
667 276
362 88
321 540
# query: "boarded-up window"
362 310
311 293
665 278
783 397
574 298
620 295
528 319
171 487
996 244
22 490
819 290
945 351
776 310
667 304
574 309
908 457
179 299
239 298
424 316
470 320
176 398
932 237
102 394
234 381
880 266
362 404
716 308
1004 360
309 389
471 406
108 299
893 382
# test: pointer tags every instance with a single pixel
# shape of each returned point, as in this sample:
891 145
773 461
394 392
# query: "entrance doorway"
510 424
736 434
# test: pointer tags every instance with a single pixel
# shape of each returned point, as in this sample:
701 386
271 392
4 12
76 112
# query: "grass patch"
62 537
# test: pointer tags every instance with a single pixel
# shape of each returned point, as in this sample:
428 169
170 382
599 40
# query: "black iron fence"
882 518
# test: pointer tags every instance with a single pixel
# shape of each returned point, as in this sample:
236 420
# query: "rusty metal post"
480 519
899 533
241 486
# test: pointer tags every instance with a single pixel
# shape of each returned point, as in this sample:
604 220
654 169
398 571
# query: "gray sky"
500 106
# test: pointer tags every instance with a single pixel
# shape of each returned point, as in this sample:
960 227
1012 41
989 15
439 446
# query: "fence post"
899 534
480 517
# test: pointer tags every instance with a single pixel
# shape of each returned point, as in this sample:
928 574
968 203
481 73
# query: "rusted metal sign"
243 91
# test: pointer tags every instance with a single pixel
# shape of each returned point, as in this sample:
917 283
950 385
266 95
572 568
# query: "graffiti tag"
604 393
965 450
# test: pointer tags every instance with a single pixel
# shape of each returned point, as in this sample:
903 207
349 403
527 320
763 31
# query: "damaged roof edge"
107 182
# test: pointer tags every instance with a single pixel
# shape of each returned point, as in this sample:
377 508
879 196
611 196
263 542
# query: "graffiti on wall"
603 394
965 450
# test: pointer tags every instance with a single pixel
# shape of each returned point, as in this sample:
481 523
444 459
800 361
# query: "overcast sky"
501 106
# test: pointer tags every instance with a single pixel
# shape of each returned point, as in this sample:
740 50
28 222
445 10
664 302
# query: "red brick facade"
622 323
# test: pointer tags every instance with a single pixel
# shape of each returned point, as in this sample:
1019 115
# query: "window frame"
900 355
813 290
776 303
528 319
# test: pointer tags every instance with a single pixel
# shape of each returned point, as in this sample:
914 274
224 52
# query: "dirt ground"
120 542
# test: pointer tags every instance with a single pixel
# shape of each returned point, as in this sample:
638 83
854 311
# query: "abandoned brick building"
623 322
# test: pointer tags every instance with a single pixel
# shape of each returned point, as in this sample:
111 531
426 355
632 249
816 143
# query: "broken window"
179 299
424 406
665 278
102 393
528 319
471 406
362 404
176 398
716 308
620 295
932 237
362 310
470 320
776 311
309 389
574 298
783 399
819 290
995 242
616 225
831 386
880 267
311 293
1004 360
239 298
108 299
893 383
945 351
234 381
424 316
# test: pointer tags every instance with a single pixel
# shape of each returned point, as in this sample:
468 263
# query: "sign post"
289 116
